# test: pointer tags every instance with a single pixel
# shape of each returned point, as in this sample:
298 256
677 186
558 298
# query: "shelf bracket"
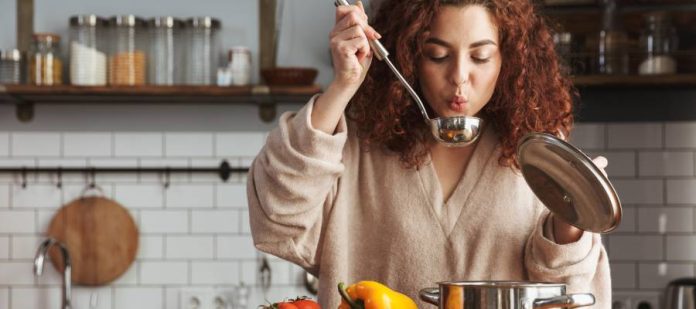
267 107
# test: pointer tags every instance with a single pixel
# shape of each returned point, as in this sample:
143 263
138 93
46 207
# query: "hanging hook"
92 183
60 178
24 177
93 180
167 173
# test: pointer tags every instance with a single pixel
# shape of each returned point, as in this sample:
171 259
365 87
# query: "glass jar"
12 67
658 41
239 65
203 50
165 55
127 54
87 51
612 53
45 65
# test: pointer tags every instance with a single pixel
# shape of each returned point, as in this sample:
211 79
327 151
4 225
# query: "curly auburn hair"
532 94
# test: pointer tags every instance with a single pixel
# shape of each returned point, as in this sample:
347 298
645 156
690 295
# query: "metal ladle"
457 131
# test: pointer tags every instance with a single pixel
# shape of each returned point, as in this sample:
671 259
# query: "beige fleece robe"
345 214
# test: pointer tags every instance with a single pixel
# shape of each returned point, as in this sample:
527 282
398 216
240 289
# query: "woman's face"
461 61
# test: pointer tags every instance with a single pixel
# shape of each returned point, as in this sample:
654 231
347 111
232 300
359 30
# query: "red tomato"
286 305
306 304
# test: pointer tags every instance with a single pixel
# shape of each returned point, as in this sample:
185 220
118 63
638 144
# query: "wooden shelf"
25 96
677 80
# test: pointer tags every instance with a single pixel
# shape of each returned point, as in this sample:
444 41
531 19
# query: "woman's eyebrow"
434 40
481 43
437 41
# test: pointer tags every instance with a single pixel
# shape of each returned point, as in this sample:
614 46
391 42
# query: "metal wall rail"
224 171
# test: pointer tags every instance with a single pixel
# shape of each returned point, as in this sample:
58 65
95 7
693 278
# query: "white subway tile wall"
655 276
138 297
138 144
195 234
635 136
35 144
4 297
4 247
164 273
188 145
623 275
88 144
4 151
35 297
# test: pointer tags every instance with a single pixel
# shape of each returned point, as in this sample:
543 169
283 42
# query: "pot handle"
565 301
430 295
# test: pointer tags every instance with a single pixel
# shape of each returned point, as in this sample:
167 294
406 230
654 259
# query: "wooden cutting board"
101 236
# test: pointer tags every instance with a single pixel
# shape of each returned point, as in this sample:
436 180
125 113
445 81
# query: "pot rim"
502 284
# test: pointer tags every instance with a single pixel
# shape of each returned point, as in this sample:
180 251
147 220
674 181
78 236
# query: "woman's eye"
437 59
480 59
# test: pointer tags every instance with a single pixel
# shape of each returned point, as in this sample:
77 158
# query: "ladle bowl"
458 131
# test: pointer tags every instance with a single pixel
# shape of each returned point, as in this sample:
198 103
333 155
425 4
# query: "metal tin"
12 66
569 184
11 55
503 295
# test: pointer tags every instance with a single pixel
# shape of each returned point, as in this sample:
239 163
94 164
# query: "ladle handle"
380 52
383 55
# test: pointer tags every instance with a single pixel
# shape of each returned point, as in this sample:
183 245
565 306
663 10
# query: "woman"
361 191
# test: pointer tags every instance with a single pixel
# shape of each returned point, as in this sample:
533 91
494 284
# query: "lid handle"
430 295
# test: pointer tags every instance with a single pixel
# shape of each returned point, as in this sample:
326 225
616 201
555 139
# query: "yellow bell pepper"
373 295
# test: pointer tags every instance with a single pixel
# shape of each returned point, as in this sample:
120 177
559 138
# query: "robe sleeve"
582 265
290 187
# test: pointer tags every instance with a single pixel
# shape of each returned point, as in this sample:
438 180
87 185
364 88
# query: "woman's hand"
350 50
565 233
350 47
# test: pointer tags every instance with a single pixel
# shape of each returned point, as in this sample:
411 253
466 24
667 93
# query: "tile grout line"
112 142
61 146
10 149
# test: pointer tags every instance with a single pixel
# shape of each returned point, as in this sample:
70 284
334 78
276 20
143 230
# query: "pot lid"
569 184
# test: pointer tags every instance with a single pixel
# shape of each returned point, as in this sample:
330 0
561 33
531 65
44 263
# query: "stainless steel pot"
503 295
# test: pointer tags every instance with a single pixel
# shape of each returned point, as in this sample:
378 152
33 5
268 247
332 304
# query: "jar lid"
46 37
204 22
239 49
165 22
11 55
126 21
87 20
569 184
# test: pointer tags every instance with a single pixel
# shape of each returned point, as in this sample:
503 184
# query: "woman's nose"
460 73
